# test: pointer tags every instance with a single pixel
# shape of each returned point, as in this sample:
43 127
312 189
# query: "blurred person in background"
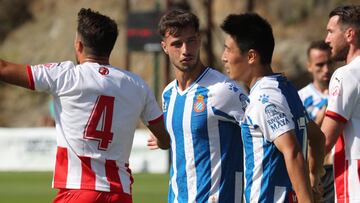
341 124
315 99
202 109
97 107
275 128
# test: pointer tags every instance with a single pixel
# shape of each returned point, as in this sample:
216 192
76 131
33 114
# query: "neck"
353 53
185 79
258 73
321 87
102 60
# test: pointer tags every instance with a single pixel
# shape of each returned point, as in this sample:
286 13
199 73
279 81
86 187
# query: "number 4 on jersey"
99 124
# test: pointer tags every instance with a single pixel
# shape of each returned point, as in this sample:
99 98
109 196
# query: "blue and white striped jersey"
275 108
312 99
206 146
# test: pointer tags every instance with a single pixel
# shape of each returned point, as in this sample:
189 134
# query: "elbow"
164 146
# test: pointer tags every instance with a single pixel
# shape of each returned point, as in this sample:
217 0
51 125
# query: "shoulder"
305 91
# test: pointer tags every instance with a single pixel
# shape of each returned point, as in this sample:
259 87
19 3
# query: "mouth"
187 59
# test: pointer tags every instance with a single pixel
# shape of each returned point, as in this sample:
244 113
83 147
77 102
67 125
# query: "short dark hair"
251 31
175 20
98 32
349 15
320 44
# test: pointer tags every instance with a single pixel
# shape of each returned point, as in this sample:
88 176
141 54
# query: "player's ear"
252 56
163 46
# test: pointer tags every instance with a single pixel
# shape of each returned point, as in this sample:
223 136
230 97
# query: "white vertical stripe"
74 171
189 147
258 171
279 194
173 145
353 181
238 187
215 153
98 166
124 177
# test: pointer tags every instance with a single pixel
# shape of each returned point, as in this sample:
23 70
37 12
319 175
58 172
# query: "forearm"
15 74
299 176
316 150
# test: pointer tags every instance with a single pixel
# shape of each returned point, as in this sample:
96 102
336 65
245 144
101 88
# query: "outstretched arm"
162 137
295 165
15 74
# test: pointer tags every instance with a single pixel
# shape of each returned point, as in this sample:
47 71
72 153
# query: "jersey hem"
30 77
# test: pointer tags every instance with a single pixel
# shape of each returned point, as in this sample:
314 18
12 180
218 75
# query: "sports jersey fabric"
275 108
312 99
97 108
344 106
206 147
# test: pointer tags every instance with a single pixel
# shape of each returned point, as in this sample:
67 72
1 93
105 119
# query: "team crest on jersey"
103 70
199 105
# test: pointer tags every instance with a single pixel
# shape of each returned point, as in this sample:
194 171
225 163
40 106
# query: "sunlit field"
35 187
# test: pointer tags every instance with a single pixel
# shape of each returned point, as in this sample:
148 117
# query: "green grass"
35 187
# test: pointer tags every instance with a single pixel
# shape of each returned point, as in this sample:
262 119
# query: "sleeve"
45 77
271 113
152 112
229 101
343 96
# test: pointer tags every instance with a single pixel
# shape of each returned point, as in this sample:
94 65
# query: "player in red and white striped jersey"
341 125
97 108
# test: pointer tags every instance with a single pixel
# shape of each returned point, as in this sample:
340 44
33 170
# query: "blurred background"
42 31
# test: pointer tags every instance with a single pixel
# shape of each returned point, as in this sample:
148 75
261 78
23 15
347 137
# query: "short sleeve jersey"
344 104
312 99
206 146
97 108
275 108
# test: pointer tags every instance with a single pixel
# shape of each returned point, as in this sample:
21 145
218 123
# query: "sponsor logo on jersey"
49 65
274 118
244 100
199 105
103 70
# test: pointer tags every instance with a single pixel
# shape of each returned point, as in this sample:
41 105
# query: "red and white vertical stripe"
79 172
346 175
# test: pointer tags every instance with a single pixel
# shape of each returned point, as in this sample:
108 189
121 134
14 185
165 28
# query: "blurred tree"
12 14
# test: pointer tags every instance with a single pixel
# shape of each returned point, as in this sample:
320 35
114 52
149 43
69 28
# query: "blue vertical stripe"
200 137
248 150
231 159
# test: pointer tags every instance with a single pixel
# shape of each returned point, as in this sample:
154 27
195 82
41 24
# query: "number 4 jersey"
97 109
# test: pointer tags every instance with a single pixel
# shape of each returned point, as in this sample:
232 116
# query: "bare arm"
15 74
295 165
316 152
332 129
162 137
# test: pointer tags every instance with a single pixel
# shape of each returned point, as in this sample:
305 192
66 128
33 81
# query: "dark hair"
321 45
251 31
349 15
98 32
175 20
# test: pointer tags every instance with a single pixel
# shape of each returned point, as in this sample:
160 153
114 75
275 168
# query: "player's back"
97 109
